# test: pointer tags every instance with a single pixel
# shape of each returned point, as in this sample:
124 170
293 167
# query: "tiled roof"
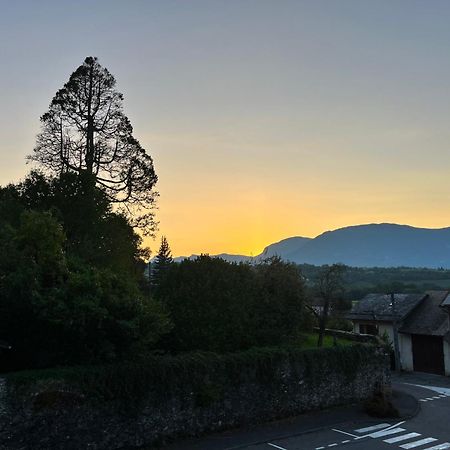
428 318
378 307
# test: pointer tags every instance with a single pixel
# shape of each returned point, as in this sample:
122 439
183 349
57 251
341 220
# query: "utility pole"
395 329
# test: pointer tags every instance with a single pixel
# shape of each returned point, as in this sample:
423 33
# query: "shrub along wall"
138 404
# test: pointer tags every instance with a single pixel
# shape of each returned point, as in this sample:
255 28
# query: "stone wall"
56 414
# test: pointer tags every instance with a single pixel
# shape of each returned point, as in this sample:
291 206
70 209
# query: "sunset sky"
265 119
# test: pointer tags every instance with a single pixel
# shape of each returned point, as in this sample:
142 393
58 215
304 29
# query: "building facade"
422 322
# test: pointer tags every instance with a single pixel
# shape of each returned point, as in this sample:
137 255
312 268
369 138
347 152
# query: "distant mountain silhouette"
286 249
373 245
378 245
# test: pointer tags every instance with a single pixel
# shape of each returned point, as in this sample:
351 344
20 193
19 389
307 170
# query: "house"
374 314
423 324
427 332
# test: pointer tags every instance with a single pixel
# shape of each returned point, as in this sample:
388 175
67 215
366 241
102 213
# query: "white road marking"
423 400
395 425
404 437
280 448
439 390
346 441
344 432
332 445
436 397
430 398
418 443
382 433
320 448
443 446
372 428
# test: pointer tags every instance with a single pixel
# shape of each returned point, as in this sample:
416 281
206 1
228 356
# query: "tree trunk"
90 128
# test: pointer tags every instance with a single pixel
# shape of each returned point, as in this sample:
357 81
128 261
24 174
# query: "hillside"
378 245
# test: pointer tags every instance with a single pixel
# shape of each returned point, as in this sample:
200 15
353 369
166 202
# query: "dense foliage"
218 306
72 289
206 375
71 283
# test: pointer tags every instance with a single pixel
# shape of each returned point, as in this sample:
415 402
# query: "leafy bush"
70 281
218 306
380 405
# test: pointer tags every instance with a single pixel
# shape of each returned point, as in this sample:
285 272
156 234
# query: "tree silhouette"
163 261
328 288
85 131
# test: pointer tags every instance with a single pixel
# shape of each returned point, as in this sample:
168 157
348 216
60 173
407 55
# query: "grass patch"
310 341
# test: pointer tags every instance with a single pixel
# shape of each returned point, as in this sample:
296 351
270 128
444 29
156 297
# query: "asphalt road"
350 427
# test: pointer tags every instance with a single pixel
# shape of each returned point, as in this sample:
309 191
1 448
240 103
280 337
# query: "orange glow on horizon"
222 207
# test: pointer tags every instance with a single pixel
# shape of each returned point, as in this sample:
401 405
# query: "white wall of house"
447 358
405 345
406 353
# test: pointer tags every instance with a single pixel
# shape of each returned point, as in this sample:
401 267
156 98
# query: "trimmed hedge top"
162 376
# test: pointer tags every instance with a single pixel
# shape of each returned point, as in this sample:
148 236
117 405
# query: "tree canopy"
85 131
219 306
70 283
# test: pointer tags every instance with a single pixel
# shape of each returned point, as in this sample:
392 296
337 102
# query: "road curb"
404 416
301 433
407 405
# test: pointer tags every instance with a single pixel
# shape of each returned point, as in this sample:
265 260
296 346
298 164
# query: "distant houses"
422 322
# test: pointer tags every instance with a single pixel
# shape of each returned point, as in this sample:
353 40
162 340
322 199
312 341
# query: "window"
368 328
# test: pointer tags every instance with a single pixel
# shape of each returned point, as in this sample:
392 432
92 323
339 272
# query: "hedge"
207 374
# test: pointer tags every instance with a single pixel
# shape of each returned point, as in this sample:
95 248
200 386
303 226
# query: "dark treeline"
73 290
219 306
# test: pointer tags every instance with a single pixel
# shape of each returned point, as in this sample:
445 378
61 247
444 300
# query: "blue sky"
266 119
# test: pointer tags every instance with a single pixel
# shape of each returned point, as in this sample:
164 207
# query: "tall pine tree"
162 262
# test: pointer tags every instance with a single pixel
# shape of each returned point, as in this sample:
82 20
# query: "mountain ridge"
365 245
